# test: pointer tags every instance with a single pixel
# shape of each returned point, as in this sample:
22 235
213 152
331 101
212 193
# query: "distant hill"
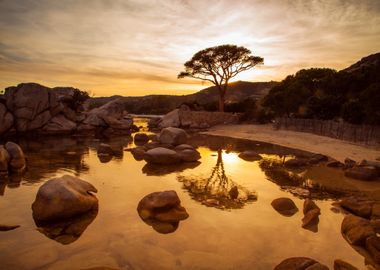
364 63
206 98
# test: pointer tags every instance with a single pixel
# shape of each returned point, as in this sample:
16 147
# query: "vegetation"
219 65
352 94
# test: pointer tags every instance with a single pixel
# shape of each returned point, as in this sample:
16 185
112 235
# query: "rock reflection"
159 170
67 231
217 190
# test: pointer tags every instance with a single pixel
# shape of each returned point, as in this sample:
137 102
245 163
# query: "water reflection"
67 231
160 170
217 190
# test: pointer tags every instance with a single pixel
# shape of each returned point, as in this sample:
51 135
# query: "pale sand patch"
334 148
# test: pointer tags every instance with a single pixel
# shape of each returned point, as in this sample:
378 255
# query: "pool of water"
241 234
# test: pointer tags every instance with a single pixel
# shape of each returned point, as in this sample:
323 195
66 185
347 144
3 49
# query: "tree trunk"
221 102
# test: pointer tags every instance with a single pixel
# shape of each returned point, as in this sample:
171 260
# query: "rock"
359 208
309 205
366 173
4 159
284 206
118 124
300 263
342 265
311 218
316 158
59 124
105 149
372 245
110 114
375 164
335 164
17 162
162 210
296 162
141 137
189 155
375 223
356 229
349 163
171 119
6 119
4 228
249 156
154 122
161 155
63 197
174 136
234 193
183 147
138 153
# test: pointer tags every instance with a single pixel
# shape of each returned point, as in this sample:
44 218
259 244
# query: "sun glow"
230 158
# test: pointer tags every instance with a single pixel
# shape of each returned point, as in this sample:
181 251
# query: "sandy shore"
336 149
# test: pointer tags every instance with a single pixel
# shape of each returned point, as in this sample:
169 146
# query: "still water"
242 234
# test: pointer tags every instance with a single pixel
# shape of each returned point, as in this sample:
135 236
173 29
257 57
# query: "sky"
138 47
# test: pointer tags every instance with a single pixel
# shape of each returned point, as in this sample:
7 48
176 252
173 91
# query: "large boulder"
110 114
59 124
300 263
372 245
31 104
17 162
174 136
6 119
366 173
171 119
284 206
356 229
162 210
4 160
63 197
161 155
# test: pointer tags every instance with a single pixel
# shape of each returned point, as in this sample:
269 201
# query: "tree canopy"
219 65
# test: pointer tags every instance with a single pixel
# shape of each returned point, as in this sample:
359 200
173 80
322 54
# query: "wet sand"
334 148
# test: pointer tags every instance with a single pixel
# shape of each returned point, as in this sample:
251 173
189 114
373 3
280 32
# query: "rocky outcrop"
30 107
300 263
162 211
185 118
63 197
284 206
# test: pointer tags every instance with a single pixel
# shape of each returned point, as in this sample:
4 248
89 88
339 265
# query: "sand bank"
336 149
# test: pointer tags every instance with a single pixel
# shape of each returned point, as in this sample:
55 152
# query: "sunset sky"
137 47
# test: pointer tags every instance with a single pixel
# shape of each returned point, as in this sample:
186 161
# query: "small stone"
250 156
349 163
359 208
335 164
356 229
284 206
296 162
234 193
308 205
366 173
342 265
105 149
141 137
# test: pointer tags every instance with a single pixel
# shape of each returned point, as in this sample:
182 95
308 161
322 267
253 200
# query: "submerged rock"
138 153
189 155
366 173
359 208
300 263
162 211
63 197
284 206
311 215
141 138
342 265
17 162
296 162
173 136
250 156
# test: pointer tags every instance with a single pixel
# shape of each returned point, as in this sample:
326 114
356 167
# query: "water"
248 234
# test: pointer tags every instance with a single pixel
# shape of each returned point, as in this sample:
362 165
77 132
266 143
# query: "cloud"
142 41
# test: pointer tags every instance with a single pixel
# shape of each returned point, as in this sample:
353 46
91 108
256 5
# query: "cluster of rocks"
30 107
162 211
183 117
304 263
311 211
12 159
168 148
361 227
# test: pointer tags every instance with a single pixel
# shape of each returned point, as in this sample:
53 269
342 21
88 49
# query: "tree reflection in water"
217 190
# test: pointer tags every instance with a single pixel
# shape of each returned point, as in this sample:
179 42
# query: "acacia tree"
218 65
